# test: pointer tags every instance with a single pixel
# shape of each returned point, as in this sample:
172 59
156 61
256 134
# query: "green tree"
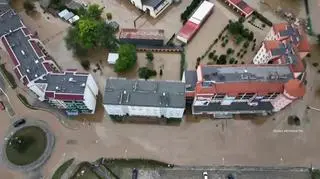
29 6
21 143
149 56
93 12
211 54
88 35
251 36
246 44
239 39
127 58
235 28
232 60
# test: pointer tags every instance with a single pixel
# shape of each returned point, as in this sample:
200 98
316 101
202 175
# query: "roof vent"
164 94
246 71
124 92
36 61
28 71
36 75
72 80
83 84
57 88
23 52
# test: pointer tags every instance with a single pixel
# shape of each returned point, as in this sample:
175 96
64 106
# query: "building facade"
159 99
74 92
153 7
223 91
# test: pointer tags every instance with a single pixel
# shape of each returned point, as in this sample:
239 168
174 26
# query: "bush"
109 15
239 39
198 59
309 55
232 60
211 54
229 51
215 41
9 77
146 73
210 63
226 41
236 62
214 51
189 10
251 36
254 40
246 44
315 64
24 100
220 35
85 64
315 174
222 60
241 19
223 45
241 56
149 56
253 47
242 62
244 52
161 72
238 54
263 25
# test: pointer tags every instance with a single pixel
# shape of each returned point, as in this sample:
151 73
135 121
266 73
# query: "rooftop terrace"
247 73
119 91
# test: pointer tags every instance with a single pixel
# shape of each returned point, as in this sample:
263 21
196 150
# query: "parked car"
2 107
19 122
134 173
205 175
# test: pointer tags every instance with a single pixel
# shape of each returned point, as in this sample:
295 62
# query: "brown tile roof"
304 45
271 44
280 27
295 88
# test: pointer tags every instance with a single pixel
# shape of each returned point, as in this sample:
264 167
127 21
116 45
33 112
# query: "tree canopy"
127 58
146 73
91 32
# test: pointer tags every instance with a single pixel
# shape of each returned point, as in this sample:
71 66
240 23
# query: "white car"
205 175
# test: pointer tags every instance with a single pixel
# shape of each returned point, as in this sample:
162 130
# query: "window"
240 95
219 96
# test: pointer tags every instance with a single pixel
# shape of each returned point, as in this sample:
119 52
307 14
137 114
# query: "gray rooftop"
119 91
68 83
9 20
191 80
247 73
235 107
31 65
152 3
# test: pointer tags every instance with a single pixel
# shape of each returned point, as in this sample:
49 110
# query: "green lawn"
85 172
26 145
60 171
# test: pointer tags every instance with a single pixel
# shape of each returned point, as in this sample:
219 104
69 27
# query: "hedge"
24 100
189 10
182 64
9 77
262 18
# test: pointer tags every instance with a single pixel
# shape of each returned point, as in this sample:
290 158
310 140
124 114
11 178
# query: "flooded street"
268 8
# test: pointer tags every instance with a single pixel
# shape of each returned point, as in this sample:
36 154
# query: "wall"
89 99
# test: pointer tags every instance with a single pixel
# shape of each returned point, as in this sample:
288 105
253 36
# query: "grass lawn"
60 171
122 168
33 145
85 172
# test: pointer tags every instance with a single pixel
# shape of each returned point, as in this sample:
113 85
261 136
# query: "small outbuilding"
63 13
112 58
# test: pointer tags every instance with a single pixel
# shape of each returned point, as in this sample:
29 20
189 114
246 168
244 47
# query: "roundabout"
27 147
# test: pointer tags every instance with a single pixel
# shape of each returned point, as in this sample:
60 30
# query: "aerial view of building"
161 99
71 91
152 7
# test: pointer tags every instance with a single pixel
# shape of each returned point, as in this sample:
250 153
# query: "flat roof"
9 20
238 107
202 11
151 34
120 91
152 3
30 63
246 73
191 79
68 82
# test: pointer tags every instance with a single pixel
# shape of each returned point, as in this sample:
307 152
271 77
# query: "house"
72 91
152 7
158 99
240 6
69 90
223 91
142 37
284 44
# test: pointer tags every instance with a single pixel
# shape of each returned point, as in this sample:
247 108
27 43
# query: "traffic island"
27 146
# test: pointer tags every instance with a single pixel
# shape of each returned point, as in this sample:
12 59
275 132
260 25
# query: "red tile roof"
48 67
304 45
280 27
271 44
9 50
295 88
49 94
37 48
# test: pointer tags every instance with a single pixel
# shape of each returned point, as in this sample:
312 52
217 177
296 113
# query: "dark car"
134 173
19 122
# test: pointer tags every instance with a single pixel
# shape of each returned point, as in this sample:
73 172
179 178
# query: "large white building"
160 99
153 7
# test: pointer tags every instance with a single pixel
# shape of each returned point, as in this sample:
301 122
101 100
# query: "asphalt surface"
223 172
